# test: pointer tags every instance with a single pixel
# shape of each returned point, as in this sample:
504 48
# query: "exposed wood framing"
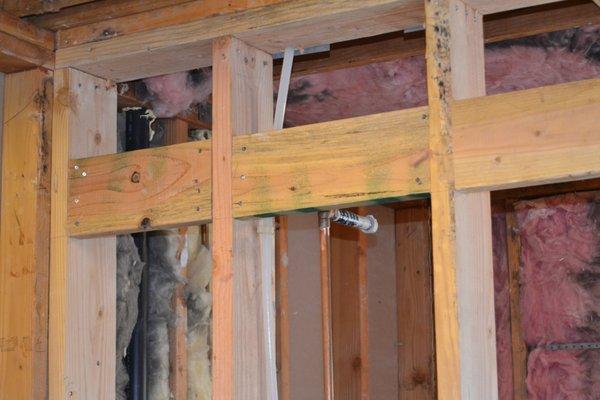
82 271
176 131
243 251
494 6
23 45
31 7
130 21
461 222
416 346
283 170
283 317
24 236
519 347
394 46
530 137
349 312
298 23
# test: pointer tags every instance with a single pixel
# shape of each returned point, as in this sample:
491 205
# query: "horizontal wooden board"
298 23
530 137
518 139
332 163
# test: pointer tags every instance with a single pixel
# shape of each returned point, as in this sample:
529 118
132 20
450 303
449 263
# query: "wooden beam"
414 288
282 171
273 172
494 6
243 251
30 7
298 23
530 137
23 45
28 32
98 11
398 45
82 271
461 222
141 16
25 235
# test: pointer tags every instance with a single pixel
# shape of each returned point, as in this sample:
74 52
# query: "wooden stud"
349 312
519 348
493 6
25 235
32 7
416 346
82 271
176 131
461 222
282 301
242 250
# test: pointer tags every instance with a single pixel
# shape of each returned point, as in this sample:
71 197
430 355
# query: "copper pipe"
326 323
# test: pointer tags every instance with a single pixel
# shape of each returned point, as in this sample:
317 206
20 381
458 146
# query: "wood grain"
416 346
297 23
531 137
519 348
139 16
461 222
31 7
176 131
82 271
398 45
282 298
349 306
494 6
276 171
243 251
25 235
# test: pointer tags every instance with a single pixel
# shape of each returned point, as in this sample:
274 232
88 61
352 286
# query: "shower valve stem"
367 224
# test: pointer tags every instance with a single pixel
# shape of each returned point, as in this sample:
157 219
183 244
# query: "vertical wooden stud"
242 339
519 348
283 322
176 131
25 236
82 271
461 222
349 307
416 345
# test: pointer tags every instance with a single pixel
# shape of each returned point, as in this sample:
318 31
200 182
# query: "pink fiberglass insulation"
557 375
176 93
502 307
559 244
400 84
560 296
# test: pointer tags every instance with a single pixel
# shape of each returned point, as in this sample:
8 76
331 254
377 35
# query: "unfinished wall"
383 330
556 302
306 355
305 308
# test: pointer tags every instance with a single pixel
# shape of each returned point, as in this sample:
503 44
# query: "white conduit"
268 276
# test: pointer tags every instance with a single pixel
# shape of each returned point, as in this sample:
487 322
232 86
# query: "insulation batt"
199 305
560 303
176 93
129 276
164 267
502 307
